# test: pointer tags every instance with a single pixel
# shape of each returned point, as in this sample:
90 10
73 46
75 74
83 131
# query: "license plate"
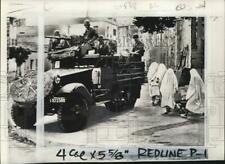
58 100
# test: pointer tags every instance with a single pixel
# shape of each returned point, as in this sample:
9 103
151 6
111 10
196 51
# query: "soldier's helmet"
86 22
135 36
101 37
56 33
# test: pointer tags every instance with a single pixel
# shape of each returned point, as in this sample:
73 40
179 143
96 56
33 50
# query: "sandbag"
24 90
85 48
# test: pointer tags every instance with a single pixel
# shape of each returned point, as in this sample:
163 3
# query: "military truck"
79 83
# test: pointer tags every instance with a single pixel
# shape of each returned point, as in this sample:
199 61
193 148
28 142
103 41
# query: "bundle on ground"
24 90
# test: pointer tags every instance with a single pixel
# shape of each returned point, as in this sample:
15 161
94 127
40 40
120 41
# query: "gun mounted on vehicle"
78 82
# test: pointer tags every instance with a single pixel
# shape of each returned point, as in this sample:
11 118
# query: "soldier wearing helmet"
138 49
90 34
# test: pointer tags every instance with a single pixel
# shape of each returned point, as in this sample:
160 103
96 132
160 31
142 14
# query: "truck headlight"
57 79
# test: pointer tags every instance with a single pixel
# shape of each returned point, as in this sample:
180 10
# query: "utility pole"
40 79
161 59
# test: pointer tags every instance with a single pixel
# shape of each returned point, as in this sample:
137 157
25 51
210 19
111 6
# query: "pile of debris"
64 53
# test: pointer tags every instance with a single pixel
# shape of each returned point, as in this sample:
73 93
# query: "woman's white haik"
156 80
152 70
195 94
168 88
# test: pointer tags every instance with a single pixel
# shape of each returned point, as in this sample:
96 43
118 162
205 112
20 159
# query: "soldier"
54 42
103 47
138 49
58 42
90 36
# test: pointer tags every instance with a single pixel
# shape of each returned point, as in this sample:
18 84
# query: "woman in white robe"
151 71
155 83
195 94
169 87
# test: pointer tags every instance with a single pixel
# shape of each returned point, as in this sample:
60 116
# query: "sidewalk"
167 129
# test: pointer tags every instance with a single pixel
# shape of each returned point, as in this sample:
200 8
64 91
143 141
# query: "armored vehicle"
79 82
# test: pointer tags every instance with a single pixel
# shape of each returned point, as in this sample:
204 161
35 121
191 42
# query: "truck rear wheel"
130 99
23 117
114 106
73 115
132 102
124 98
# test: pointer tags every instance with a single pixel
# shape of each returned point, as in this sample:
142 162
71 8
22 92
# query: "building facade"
18 34
104 26
177 47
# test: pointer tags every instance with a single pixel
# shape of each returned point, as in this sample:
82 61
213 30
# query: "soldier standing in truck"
58 41
103 48
90 35
138 49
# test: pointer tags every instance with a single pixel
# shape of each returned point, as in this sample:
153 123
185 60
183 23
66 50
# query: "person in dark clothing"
58 42
103 47
185 77
138 49
54 42
90 35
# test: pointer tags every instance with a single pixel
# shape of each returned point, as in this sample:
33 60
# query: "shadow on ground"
98 114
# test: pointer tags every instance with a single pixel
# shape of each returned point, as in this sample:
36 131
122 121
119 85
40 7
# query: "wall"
125 34
198 38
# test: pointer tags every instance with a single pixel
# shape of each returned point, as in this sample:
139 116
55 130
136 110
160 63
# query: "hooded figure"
156 82
195 94
168 88
152 70
160 72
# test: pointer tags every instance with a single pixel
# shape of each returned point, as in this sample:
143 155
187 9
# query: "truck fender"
77 88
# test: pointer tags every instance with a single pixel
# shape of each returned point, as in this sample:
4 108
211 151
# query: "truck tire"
132 102
72 116
23 117
126 101
132 96
113 106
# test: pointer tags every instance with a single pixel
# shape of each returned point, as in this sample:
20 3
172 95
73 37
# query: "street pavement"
144 124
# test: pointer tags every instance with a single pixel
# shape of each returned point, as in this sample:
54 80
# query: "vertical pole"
40 79
161 55
4 138
175 47
68 30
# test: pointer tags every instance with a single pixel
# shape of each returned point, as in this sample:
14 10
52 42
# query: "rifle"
58 37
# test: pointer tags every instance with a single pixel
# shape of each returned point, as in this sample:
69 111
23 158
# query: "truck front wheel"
72 116
23 117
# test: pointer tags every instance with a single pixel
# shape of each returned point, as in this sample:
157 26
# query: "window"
31 64
107 32
114 32
12 42
36 64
